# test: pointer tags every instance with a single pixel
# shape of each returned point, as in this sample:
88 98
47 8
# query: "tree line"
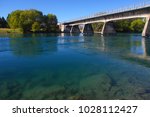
3 23
32 21
131 25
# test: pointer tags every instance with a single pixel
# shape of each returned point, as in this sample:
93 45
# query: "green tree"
28 17
0 22
13 19
24 19
36 27
122 25
51 23
97 27
137 25
3 23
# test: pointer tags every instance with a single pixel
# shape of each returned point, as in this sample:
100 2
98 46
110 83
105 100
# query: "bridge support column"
87 29
62 27
146 30
108 28
65 28
75 29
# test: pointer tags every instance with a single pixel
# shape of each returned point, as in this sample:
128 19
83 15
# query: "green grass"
8 30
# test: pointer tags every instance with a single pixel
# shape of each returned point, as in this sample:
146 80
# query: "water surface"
63 66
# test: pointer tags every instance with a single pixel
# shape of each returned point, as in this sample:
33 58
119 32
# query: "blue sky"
65 9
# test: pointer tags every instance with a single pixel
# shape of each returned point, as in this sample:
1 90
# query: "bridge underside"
75 29
87 29
108 28
107 19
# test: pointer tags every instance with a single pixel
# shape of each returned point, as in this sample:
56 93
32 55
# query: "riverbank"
8 30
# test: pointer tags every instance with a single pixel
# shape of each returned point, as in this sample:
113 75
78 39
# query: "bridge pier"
75 29
87 29
146 30
65 28
62 28
108 28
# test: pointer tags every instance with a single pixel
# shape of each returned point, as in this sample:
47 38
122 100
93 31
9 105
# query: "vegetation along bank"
23 21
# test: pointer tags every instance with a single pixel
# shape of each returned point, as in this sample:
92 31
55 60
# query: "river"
71 66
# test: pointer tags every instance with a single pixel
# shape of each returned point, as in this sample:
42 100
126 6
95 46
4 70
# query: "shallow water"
63 66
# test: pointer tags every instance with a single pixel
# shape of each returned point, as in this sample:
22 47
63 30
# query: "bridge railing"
133 7
98 14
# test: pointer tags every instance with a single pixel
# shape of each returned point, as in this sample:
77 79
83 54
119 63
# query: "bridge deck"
101 15
140 11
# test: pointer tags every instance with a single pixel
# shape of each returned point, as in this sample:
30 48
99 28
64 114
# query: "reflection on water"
27 45
140 46
70 38
64 66
146 46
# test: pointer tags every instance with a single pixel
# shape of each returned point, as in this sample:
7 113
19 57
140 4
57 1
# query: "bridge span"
137 11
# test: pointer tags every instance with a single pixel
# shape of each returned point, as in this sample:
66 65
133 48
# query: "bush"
36 27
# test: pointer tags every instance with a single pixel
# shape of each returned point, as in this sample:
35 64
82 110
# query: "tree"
28 17
3 23
122 25
25 20
51 23
13 19
137 25
52 19
97 27
0 22
36 27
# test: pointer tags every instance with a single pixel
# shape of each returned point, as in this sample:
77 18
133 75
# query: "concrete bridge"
137 11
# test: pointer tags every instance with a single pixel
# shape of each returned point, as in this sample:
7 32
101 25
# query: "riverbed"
74 66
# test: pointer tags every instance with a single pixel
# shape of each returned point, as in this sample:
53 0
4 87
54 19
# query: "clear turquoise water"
58 66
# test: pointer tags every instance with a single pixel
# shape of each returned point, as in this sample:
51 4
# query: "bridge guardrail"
98 14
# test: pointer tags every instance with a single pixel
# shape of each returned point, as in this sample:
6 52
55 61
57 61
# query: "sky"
65 9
